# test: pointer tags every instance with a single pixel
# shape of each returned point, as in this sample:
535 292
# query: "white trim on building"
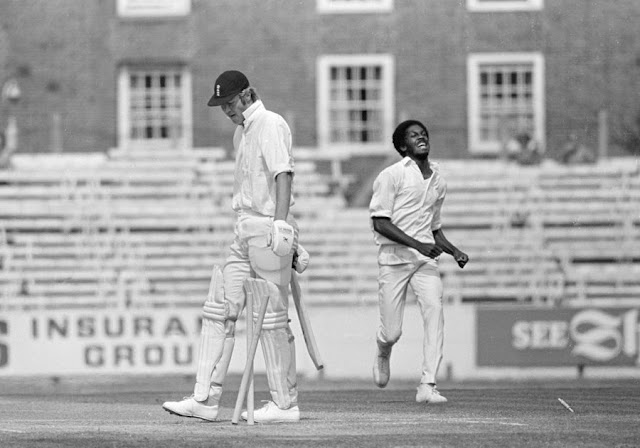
353 6
355 101
153 8
159 114
505 95
504 5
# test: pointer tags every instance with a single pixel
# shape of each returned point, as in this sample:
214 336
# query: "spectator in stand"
5 154
510 149
574 152
523 149
529 151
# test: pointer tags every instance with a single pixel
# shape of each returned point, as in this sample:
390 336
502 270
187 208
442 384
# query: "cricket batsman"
405 215
264 247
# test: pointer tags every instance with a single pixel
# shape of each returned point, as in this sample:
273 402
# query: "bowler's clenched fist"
461 258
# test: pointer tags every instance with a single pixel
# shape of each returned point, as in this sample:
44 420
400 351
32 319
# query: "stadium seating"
583 219
143 228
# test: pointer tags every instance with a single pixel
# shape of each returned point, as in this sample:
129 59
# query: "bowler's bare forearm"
386 228
283 195
448 247
443 242
389 230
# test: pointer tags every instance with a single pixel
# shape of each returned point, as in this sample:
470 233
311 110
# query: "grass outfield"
126 412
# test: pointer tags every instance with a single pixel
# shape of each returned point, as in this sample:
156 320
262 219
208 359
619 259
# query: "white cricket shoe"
381 368
429 394
271 413
189 407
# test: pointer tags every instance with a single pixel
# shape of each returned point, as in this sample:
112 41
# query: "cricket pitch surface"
126 412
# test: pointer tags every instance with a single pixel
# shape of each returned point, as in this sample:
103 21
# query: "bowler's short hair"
401 132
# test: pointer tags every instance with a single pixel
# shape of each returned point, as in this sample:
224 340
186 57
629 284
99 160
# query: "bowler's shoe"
189 407
428 393
381 368
271 413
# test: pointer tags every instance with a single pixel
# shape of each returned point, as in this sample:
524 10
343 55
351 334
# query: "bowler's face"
234 109
417 142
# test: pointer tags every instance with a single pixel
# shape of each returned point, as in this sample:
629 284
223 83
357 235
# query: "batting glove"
282 236
300 259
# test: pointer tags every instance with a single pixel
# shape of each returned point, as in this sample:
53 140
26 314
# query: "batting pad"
277 357
212 339
275 340
212 335
222 367
259 290
273 321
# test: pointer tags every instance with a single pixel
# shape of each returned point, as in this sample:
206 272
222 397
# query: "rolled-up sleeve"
275 140
381 205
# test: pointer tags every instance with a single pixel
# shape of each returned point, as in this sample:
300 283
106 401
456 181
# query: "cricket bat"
305 323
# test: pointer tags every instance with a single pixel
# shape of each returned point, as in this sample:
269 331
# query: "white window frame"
353 6
504 6
324 64
474 62
124 111
153 8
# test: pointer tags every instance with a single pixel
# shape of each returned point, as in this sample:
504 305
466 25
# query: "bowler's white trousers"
395 276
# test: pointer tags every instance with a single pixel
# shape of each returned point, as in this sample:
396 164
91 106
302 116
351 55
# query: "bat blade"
305 323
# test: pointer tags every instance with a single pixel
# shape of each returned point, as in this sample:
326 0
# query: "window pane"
505 100
355 103
155 104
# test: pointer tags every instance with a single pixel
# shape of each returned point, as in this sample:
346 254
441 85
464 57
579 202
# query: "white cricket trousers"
424 278
250 228
249 256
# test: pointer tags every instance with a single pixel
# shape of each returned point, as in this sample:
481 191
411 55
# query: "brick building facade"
98 74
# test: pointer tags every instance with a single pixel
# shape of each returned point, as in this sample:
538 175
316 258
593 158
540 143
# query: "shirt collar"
250 113
408 161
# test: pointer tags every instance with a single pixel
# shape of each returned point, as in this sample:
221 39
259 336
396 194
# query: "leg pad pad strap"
214 311
272 321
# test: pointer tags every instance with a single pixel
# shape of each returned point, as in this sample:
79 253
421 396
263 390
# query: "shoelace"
194 398
434 390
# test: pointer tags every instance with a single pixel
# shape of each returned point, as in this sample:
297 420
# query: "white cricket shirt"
263 150
413 203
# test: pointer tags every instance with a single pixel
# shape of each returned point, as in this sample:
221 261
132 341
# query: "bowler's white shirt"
263 150
413 203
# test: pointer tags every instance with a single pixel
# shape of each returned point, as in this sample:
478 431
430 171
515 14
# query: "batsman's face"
234 108
417 141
